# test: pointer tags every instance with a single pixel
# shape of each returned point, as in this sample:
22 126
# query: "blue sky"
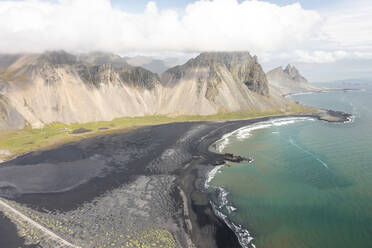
308 4
139 5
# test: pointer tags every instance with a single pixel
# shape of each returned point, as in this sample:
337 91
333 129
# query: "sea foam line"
308 152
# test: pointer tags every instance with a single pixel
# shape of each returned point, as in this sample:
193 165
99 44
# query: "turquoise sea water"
311 182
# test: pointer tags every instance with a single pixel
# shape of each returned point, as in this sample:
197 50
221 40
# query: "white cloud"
151 8
82 25
288 33
321 56
313 57
350 26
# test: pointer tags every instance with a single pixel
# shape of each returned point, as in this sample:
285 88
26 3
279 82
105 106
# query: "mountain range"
56 86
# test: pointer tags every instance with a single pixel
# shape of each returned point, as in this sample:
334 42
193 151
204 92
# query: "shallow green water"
311 182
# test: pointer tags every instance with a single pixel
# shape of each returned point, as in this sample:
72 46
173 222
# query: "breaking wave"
222 205
302 93
246 132
212 173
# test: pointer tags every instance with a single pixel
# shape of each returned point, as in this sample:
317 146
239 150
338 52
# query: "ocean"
310 184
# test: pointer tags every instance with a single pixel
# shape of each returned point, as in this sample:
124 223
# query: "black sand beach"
8 234
170 160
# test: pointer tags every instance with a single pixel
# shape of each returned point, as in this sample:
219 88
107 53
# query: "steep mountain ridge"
219 81
241 65
295 74
10 118
288 81
61 87
101 58
7 59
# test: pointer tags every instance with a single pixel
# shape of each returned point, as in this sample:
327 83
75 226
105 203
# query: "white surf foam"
246 132
223 201
303 93
350 119
211 175
243 235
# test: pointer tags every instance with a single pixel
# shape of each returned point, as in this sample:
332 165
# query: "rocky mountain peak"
94 69
57 58
288 80
107 73
226 58
139 77
101 58
212 67
294 73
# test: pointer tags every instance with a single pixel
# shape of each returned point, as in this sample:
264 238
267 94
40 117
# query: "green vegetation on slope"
51 135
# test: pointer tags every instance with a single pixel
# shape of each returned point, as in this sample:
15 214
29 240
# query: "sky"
139 5
326 40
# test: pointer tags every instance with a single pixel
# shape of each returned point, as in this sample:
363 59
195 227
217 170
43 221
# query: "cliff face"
294 74
214 82
288 81
9 116
59 87
210 67
101 58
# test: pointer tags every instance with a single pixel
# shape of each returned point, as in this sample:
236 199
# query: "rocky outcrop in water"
335 116
236 158
61 87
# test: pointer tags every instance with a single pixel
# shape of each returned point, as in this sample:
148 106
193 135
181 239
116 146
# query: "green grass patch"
51 135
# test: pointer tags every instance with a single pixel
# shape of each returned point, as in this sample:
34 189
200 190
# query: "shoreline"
197 222
342 117
321 90
215 158
219 193
221 205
